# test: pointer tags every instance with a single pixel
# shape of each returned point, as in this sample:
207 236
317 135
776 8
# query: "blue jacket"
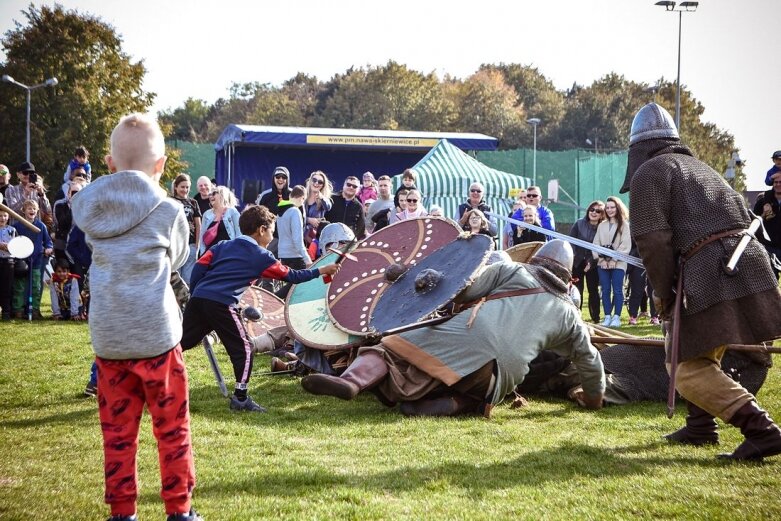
224 272
230 219
773 169
545 215
41 240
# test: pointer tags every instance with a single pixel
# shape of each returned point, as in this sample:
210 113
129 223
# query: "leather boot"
366 371
444 406
700 428
763 437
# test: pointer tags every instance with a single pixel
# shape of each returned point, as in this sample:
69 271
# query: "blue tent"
247 155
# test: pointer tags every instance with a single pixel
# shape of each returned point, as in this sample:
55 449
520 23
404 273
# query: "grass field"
321 458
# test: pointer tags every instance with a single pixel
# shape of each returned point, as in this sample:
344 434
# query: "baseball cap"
776 154
26 167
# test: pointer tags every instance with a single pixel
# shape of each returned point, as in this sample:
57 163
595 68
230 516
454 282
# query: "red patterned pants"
124 387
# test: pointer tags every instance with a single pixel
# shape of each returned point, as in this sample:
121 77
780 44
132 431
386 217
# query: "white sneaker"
616 321
607 321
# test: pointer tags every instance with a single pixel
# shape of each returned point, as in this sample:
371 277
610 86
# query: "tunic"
511 331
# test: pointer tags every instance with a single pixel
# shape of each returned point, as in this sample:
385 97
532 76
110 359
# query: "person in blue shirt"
218 280
775 169
42 247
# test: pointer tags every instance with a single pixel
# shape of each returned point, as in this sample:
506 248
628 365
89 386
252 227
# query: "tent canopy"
346 137
444 176
247 155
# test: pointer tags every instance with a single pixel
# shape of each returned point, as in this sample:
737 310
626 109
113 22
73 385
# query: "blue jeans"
187 269
612 280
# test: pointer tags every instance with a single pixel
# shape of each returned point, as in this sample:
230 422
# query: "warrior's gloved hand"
664 307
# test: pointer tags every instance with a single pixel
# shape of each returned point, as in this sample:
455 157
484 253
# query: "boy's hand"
330 269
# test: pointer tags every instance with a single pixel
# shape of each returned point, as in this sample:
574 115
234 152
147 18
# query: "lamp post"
51 82
534 122
687 7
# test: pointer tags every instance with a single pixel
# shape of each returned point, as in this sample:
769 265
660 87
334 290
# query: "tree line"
98 82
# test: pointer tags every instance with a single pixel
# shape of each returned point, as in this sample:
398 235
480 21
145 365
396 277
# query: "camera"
33 178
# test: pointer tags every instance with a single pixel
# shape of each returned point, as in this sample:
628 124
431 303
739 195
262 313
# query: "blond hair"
137 143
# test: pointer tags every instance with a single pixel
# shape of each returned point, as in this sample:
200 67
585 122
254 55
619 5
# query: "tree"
538 97
486 104
98 84
187 122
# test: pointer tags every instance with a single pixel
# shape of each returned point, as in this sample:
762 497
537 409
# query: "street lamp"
687 7
51 82
534 122
595 143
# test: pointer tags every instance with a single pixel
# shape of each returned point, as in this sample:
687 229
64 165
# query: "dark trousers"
202 316
592 282
6 285
296 263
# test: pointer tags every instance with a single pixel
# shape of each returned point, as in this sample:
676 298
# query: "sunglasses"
318 182
475 191
280 176
595 210
532 196
214 193
412 200
351 185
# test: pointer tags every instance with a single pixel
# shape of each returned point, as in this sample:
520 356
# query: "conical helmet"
335 233
559 251
652 122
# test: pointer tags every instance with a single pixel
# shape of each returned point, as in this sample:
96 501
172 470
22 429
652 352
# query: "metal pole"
28 123
678 82
534 157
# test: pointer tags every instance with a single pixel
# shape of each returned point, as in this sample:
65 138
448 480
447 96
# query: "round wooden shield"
408 300
523 252
271 307
306 314
356 288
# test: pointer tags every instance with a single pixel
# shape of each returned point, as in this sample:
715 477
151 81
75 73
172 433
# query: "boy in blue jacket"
218 280
42 247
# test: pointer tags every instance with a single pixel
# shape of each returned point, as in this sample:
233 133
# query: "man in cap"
775 170
768 206
471 362
30 187
687 222
280 191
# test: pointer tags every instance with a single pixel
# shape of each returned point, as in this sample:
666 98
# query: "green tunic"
512 331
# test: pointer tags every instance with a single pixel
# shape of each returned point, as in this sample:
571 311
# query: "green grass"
321 458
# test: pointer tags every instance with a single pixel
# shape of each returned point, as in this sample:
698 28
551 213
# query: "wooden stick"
653 342
610 332
19 218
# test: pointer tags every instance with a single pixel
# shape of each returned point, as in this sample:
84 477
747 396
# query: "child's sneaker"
246 405
91 390
615 321
123 518
632 321
655 321
192 515
607 321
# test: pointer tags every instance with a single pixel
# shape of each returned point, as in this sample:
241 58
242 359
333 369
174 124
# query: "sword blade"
208 347
741 247
607 252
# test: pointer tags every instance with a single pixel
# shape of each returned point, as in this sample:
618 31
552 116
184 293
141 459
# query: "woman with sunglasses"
414 208
318 202
613 233
583 266
221 221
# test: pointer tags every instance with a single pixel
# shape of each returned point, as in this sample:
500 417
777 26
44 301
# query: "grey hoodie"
137 235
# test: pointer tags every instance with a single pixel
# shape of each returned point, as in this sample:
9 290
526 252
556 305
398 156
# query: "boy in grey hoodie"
138 236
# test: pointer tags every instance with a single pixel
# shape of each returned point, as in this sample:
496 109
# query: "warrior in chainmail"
686 222
471 362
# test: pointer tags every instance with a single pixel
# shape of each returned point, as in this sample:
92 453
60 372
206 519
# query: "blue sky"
729 60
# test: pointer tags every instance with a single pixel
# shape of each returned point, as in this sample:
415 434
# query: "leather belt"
709 239
476 304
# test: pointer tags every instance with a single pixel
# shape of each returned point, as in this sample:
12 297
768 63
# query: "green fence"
583 175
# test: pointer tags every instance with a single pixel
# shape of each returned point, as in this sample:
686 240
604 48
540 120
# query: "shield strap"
504 294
